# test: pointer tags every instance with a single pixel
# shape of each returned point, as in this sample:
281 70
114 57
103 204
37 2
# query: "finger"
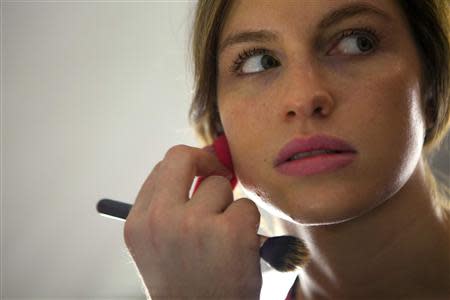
143 198
199 180
180 166
209 149
245 212
214 195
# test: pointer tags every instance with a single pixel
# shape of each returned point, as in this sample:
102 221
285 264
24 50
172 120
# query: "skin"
372 227
175 240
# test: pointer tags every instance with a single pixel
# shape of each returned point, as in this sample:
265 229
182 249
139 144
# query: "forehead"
306 15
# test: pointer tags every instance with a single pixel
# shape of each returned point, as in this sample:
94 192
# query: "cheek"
388 124
244 116
383 94
395 101
249 128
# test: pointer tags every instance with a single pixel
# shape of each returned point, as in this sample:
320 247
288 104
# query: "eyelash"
244 55
366 30
247 53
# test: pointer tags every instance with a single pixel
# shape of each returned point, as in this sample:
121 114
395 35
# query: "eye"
356 41
259 63
254 61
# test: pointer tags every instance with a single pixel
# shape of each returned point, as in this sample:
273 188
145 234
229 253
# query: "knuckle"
177 151
218 181
129 232
250 205
146 187
177 154
251 209
218 185
157 167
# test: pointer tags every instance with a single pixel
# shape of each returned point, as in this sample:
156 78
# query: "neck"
399 249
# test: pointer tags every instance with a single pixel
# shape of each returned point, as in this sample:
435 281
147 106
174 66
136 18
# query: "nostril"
318 110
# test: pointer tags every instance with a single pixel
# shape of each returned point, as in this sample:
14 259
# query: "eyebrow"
351 10
331 18
248 36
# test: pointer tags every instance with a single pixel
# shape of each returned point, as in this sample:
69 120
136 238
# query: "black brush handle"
113 208
283 253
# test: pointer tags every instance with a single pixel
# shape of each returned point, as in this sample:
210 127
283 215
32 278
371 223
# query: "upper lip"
316 142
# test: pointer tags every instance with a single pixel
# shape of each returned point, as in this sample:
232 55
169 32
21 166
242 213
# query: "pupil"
363 44
267 61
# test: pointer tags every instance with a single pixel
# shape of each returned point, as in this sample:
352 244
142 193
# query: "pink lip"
326 162
316 142
316 164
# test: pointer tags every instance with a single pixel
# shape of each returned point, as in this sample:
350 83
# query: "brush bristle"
285 253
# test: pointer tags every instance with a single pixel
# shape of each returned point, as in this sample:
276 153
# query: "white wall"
93 94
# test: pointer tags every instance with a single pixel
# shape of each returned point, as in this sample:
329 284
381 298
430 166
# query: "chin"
317 212
333 210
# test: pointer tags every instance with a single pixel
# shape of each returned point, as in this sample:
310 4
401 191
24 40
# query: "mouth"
318 145
302 155
326 161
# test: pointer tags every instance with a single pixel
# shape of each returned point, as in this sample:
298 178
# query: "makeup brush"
283 253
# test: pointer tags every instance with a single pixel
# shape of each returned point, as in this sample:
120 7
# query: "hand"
203 247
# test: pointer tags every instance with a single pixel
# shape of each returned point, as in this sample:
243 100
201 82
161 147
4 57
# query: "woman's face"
357 62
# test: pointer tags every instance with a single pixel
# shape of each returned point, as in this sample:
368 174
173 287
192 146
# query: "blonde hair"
429 21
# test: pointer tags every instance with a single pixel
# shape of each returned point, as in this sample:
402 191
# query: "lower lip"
316 164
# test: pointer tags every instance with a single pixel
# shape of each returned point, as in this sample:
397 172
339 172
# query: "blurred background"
93 93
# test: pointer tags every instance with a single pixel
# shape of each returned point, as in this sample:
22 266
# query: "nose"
306 95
